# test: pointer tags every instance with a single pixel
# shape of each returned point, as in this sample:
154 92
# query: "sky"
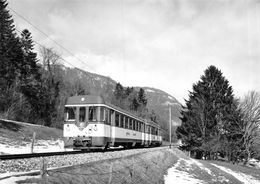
165 44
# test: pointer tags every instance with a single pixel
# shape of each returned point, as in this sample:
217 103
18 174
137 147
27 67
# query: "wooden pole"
170 125
43 170
33 139
110 173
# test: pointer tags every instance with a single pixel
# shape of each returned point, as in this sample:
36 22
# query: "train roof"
93 99
84 100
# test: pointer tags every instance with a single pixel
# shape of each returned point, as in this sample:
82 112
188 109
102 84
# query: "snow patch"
97 78
15 179
170 97
247 179
170 103
40 146
176 176
149 90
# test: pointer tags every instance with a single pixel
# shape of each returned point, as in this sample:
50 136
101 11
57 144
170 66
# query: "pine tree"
210 115
141 97
119 91
11 57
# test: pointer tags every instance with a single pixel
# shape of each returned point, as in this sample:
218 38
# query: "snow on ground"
247 179
192 161
150 90
176 176
13 180
25 147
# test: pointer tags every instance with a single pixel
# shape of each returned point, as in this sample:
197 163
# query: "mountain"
157 100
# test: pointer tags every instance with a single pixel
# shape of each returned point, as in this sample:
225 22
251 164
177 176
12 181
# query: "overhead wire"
45 47
55 42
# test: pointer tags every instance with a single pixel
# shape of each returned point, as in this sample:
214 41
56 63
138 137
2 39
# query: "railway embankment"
150 165
147 165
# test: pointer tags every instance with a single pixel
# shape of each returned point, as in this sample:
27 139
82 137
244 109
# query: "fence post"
43 168
33 139
111 173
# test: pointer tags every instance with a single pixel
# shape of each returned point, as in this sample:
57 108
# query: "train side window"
102 114
121 120
70 113
131 124
111 116
82 114
92 113
126 122
106 115
117 119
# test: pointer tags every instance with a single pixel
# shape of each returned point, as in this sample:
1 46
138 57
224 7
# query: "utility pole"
170 125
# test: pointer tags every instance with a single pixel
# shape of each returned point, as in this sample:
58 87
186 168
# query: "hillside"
16 138
158 100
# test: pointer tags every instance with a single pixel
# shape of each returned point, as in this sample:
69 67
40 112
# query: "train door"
112 127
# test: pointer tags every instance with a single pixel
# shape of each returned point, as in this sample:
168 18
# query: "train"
91 122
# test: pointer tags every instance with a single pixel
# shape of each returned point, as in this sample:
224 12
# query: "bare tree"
51 78
250 108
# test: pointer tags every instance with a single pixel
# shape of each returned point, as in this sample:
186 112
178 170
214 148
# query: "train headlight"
68 128
95 127
90 130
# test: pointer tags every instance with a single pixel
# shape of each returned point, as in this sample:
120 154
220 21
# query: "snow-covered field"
14 147
191 171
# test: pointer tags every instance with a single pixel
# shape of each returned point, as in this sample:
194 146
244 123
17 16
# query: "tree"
141 97
50 86
12 67
210 115
250 109
10 50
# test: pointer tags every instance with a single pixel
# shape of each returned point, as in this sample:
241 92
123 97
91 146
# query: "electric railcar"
90 122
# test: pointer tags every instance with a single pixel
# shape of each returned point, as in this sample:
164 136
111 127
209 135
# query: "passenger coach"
92 122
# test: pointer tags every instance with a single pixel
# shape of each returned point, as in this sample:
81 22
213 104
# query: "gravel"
30 164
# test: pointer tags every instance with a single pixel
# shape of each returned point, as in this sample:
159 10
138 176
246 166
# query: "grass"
17 131
140 168
150 167
239 168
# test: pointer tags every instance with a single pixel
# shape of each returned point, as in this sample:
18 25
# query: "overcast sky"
166 44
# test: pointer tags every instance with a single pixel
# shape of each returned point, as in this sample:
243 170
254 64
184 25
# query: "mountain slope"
158 100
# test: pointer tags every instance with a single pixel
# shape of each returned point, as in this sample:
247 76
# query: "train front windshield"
84 113
70 113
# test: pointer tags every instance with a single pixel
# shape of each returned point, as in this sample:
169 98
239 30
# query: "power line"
45 47
48 36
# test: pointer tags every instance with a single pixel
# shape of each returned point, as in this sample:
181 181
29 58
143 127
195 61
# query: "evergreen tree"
11 58
210 115
128 91
119 91
141 97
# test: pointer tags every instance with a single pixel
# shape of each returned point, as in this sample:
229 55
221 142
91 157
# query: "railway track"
32 155
48 154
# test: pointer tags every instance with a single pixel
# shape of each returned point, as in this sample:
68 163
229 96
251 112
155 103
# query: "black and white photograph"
130 91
